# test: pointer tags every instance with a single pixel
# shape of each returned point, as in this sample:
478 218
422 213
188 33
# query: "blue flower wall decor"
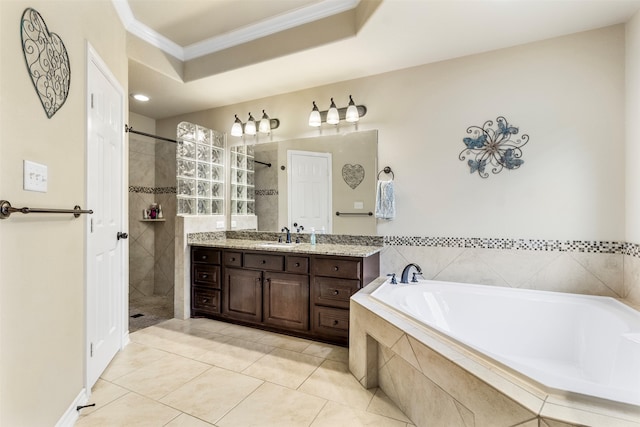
497 148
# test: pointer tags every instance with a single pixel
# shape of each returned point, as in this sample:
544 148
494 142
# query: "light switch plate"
35 176
219 224
358 205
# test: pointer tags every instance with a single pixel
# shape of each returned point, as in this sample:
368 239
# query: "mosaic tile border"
590 246
271 192
152 190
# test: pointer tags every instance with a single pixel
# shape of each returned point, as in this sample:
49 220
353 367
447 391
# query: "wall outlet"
219 224
234 224
35 176
358 205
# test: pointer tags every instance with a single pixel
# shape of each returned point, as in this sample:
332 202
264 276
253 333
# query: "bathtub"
577 343
559 356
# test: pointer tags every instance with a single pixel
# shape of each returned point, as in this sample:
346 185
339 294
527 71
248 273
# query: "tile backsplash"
604 268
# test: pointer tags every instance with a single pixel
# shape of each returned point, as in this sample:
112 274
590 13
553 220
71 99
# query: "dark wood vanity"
302 294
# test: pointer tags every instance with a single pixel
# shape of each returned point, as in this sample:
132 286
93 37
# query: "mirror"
353 159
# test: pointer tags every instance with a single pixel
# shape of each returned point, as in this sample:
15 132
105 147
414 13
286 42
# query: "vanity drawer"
206 300
332 322
335 267
334 292
233 259
297 264
206 275
264 261
205 255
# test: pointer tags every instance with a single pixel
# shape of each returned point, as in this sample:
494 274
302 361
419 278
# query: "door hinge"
91 350
91 225
91 101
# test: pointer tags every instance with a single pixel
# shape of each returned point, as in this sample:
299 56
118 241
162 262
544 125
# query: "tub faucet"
405 273
288 234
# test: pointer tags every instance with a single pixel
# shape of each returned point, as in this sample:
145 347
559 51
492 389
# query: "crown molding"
264 28
268 27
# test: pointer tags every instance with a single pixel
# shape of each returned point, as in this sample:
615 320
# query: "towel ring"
387 170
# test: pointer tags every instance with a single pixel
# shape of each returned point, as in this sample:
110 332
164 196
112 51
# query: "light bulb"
236 129
333 117
250 126
265 123
314 117
352 111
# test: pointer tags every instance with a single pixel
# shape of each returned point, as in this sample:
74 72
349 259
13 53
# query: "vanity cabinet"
297 293
205 281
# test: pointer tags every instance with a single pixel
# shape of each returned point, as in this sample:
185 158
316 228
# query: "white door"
106 268
310 190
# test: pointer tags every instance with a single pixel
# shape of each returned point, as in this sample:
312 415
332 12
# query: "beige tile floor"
200 372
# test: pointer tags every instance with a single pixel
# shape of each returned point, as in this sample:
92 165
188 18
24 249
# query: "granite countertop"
338 249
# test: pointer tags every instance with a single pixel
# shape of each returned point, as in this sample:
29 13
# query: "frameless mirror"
293 191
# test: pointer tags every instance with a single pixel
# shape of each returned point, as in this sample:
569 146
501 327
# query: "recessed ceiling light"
140 97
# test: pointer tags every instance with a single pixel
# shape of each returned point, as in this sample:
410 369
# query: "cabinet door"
286 300
242 294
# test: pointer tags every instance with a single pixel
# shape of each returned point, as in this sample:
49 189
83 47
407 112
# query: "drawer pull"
336 292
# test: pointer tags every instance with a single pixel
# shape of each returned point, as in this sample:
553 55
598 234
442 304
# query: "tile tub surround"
435 381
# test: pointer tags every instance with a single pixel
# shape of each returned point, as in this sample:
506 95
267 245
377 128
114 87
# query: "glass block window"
243 197
199 170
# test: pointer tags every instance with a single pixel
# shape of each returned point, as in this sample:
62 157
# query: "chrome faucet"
405 273
288 234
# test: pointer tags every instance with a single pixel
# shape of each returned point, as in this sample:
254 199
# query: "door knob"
122 235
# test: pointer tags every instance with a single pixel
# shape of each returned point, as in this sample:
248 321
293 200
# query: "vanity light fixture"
250 126
265 125
333 117
351 113
314 118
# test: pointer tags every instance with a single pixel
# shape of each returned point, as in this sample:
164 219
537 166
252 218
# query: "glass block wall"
199 170
243 193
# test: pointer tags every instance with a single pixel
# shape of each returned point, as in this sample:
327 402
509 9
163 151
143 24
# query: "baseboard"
71 415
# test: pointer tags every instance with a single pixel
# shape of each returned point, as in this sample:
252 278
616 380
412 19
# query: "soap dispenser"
313 236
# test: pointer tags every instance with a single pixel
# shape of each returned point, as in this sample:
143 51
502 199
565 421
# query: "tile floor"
200 372
145 311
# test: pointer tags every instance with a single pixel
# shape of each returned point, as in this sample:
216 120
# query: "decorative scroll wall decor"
497 148
47 61
352 175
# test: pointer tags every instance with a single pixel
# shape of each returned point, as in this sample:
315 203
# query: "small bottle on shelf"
313 236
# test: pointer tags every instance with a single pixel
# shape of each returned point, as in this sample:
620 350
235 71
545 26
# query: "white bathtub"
582 344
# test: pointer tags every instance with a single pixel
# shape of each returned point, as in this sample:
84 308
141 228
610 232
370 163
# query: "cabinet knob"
204 257
264 261
335 323
205 300
297 264
204 276
336 292
335 268
233 259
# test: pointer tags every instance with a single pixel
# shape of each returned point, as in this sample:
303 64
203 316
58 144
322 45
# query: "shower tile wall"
266 189
151 251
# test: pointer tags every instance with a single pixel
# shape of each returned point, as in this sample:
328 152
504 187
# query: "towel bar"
6 210
354 213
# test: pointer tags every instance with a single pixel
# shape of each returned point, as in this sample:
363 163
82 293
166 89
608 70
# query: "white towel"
385 200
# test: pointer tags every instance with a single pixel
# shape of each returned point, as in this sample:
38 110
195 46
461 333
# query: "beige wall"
42 258
567 93
632 145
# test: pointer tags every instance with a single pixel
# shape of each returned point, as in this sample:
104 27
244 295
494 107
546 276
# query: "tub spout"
405 272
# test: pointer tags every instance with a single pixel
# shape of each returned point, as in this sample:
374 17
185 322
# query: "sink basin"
278 245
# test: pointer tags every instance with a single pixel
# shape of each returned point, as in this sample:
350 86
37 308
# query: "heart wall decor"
352 175
47 61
